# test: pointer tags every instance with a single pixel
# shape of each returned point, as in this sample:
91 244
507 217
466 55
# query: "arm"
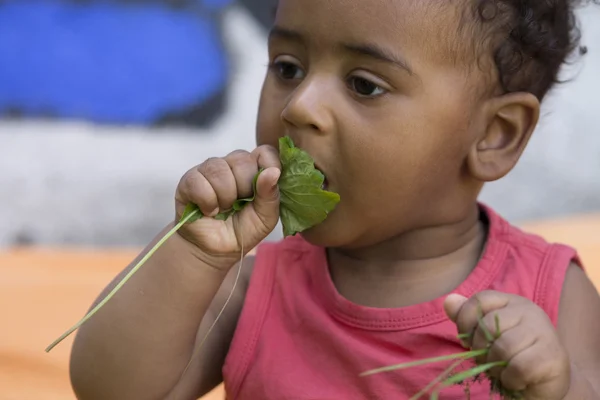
141 341
579 331
205 370
138 344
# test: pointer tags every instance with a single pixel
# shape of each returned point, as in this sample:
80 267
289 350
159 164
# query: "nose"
310 105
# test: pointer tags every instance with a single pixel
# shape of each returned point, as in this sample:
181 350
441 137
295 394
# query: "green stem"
465 355
124 280
437 380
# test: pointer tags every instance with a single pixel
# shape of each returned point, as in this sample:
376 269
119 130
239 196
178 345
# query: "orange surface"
45 291
581 232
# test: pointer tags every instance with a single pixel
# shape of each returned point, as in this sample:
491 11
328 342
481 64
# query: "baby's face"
374 91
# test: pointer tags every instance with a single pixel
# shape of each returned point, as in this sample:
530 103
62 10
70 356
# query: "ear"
507 124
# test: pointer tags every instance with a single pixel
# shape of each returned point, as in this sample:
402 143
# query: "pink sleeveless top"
298 339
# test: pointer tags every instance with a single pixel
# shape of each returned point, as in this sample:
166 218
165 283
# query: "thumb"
266 202
453 305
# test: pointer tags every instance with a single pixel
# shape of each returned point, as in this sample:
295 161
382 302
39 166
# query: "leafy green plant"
449 378
303 205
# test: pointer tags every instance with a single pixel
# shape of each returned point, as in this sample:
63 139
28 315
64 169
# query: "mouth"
325 184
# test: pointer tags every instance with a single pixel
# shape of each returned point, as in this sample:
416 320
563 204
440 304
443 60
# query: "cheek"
269 126
435 140
409 158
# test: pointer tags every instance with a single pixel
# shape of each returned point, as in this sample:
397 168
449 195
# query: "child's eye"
364 87
287 70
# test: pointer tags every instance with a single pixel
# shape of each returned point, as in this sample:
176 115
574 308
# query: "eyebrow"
282 33
373 51
365 49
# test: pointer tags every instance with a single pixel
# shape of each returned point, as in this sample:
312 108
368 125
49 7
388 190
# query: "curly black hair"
530 40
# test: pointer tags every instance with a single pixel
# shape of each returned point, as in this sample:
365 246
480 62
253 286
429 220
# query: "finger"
267 157
218 173
260 218
244 167
478 306
534 365
266 203
194 188
453 304
508 346
493 325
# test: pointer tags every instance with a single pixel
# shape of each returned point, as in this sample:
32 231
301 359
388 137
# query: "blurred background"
86 88
105 104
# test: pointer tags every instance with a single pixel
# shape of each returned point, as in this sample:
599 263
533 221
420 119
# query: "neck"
427 262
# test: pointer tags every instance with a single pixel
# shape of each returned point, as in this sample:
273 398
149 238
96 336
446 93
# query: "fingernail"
456 296
276 176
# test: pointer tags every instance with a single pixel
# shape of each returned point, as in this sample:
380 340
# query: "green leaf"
303 202
223 216
191 213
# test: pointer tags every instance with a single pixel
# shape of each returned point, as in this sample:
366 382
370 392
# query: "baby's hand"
214 186
538 365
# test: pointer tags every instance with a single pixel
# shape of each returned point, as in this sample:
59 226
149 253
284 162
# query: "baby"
408 107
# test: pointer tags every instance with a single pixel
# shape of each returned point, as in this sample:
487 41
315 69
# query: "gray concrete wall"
74 183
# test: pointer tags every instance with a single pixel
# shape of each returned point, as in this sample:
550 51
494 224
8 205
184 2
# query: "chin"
326 234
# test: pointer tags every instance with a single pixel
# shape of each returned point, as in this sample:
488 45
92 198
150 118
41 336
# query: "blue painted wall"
114 62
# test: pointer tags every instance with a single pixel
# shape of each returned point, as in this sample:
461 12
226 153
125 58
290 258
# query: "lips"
325 182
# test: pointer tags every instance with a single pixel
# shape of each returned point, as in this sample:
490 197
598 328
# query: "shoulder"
528 264
579 293
525 245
